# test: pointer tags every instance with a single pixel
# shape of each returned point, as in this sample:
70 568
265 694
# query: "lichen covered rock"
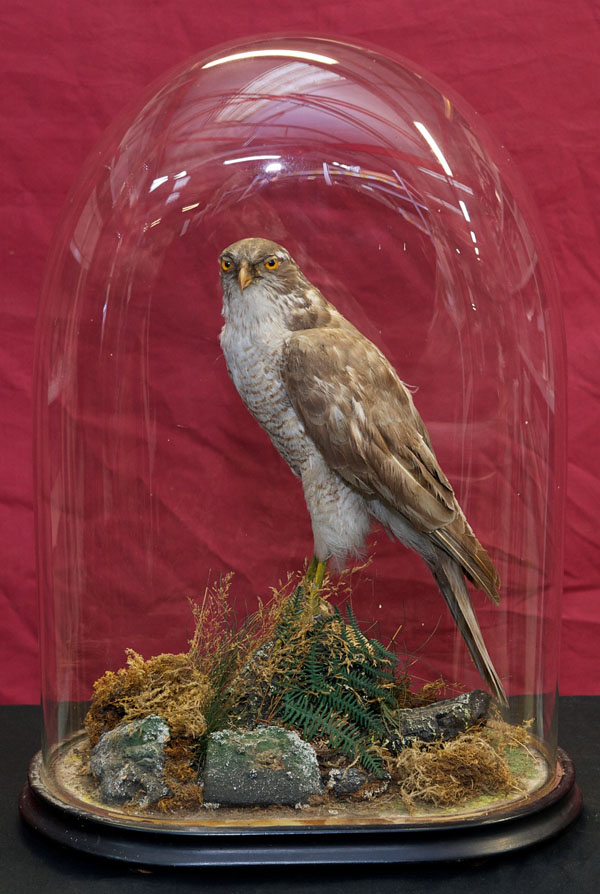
440 721
267 765
128 762
354 781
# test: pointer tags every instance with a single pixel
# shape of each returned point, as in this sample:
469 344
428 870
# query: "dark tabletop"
569 863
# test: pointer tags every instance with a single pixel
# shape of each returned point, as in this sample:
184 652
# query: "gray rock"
267 765
350 780
256 692
346 781
440 721
128 762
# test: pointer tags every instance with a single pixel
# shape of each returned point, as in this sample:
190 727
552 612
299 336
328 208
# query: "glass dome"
154 483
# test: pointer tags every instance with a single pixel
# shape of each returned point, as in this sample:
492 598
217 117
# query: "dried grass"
471 766
168 685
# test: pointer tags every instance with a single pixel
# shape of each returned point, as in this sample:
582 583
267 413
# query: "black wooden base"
417 843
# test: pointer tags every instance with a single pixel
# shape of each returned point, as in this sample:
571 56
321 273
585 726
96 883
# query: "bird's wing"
363 420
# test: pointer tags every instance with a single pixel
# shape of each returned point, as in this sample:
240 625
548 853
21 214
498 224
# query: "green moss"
521 763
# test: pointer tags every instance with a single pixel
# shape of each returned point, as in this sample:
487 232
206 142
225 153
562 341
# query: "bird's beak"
244 276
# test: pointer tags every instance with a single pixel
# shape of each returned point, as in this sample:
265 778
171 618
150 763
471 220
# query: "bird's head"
255 262
261 280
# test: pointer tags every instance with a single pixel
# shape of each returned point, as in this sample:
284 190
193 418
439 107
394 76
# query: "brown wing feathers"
363 420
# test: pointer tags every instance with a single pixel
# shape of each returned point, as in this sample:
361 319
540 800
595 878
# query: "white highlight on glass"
236 161
158 182
464 210
255 54
434 147
354 169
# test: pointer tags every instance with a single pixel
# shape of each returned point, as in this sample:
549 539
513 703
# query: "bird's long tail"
448 573
450 580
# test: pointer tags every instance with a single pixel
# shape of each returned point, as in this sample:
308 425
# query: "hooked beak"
244 276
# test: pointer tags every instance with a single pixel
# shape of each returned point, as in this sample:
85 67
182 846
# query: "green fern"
319 721
332 681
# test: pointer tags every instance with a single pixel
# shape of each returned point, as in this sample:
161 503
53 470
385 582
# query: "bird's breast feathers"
253 362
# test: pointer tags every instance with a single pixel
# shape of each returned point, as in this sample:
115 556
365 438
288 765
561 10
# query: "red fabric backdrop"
69 67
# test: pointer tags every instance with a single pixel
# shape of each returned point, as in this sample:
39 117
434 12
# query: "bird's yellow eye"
226 263
271 263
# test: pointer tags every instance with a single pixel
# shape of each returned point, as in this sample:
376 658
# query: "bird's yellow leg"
313 580
319 574
310 571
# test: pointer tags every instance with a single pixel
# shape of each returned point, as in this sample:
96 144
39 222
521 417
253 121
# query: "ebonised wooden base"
277 846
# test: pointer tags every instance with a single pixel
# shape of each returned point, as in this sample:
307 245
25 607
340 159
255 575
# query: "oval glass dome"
179 601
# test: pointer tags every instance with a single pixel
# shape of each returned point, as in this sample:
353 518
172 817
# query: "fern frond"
329 680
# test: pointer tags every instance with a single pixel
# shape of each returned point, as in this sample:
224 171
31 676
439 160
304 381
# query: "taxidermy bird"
337 412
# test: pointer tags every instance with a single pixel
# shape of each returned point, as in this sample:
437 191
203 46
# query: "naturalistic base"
164 842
